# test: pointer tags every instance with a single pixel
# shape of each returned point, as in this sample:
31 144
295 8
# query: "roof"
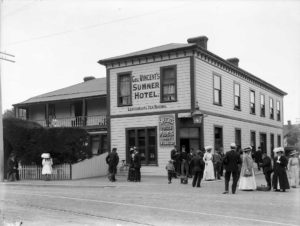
163 48
182 46
91 88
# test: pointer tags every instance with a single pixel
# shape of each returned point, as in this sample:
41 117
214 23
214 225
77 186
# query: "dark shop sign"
146 86
166 130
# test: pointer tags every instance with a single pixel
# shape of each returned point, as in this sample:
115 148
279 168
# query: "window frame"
264 113
220 91
250 103
129 73
237 108
271 115
235 137
161 83
136 129
279 141
222 139
251 132
278 111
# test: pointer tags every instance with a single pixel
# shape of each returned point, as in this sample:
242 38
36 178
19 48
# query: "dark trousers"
234 180
198 175
137 174
268 179
217 167
170 175
178 167
184 168
112 172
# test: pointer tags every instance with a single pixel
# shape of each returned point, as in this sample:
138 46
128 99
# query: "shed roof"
91 88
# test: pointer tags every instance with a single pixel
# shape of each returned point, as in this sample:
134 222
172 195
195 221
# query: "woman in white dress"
247 178
209 173
47 166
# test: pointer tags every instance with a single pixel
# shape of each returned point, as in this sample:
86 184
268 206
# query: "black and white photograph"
148 112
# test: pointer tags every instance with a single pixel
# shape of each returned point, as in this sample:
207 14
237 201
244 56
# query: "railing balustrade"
79 121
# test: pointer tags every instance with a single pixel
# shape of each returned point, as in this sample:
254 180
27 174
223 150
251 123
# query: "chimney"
88 78
234 61
201 41
289 123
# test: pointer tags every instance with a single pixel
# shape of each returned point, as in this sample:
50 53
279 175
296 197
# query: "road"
151 202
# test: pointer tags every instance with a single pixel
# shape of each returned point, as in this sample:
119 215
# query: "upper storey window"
237 96
252 102
168 84
262 106
278 110
271 109
124 89
217 90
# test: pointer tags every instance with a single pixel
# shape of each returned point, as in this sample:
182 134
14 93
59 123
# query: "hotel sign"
167 130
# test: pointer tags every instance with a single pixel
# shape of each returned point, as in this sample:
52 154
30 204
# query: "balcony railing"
79 121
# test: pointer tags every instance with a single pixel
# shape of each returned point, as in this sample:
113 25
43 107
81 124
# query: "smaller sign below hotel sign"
167 130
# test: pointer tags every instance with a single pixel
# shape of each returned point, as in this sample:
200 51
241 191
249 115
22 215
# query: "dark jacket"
184 155
173 154
258 156
112 159
280 173
137 160
232 161
197 164
267 165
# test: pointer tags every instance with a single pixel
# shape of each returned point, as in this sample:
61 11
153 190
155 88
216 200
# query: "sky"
58 42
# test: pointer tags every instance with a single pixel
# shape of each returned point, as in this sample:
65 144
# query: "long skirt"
280 179
294 173
209 173
247 183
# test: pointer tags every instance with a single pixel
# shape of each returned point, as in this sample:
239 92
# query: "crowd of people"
237 163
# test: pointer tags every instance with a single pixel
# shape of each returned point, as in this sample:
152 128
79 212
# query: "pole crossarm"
7 54
7 60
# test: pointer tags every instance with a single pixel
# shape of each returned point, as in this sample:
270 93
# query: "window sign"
166 130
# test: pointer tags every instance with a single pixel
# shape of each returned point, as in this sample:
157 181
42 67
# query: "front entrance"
189 135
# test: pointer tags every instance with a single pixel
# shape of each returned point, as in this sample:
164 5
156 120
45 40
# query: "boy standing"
171 170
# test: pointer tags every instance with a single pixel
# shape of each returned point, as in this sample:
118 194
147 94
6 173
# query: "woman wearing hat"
209 173
293 167
47 166
247 178
280 180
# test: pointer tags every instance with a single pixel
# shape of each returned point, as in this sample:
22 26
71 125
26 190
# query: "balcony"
79 121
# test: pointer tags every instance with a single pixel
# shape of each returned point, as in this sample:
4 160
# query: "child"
171 170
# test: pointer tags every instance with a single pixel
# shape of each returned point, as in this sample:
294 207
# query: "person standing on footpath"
184 163
267 169
11 169
231 161
258 157
137 165
217 161
209 167
47 166
170 168
280 181
173 158
112 160
197 166
293 167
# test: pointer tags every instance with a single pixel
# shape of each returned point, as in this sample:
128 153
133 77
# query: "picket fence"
93 167
34 172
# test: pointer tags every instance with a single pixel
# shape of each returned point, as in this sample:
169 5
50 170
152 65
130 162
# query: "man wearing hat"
280 176
231 162
293 167
112 160
267 169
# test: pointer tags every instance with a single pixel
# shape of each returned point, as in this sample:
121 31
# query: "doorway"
263 142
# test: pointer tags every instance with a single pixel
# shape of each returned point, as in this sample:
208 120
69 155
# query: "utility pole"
3 56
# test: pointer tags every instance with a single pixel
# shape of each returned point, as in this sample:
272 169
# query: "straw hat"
45 155
233 145
279 149
293 152
208 148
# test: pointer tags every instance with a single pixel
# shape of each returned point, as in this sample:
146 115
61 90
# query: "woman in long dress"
293 167
209 173
280 180
47 166
247 178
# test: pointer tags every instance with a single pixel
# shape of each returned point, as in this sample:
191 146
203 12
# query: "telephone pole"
3 56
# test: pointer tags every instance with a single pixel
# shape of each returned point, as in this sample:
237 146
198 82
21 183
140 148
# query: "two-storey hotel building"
152 95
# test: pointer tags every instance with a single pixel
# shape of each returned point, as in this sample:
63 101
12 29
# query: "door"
263 142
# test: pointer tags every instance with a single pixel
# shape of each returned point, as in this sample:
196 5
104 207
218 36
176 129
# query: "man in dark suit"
112 160
267 169
197 165
231 162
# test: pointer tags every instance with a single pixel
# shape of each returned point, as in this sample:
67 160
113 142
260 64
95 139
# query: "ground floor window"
278 141
99 144
238 138
218 133
145 140
272 144
253 140
263 142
